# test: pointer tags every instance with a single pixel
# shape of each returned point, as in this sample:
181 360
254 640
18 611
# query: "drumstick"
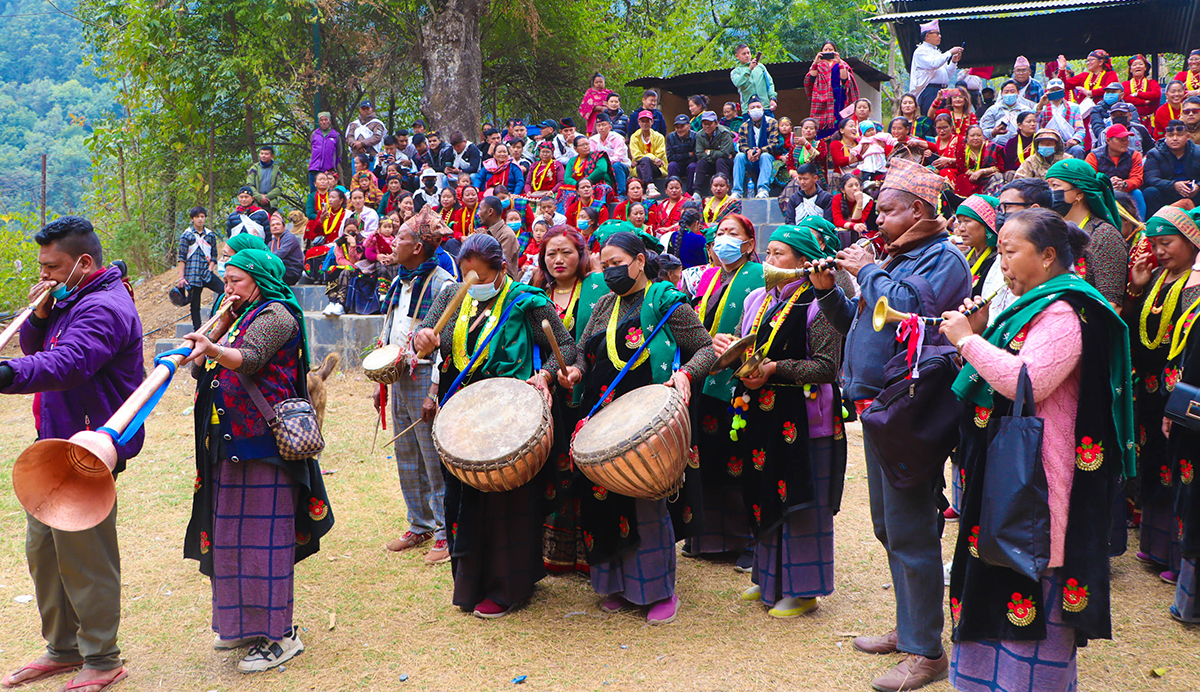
562 367
401 433
468 281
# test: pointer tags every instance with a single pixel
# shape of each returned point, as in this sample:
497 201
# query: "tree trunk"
452 65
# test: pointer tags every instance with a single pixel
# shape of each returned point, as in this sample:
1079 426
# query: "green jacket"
756 82
721 144
254 177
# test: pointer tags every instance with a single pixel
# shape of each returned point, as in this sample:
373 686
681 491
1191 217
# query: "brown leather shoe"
408 540
886 644
913 673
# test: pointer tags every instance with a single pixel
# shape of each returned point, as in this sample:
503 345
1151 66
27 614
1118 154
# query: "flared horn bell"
774 277
884 315
68 484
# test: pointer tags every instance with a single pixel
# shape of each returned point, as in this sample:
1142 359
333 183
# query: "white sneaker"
225 644
652 191
336 309
268 654
946 572
763 194
328 310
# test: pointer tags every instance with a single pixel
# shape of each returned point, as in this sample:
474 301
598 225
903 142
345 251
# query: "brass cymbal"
735 353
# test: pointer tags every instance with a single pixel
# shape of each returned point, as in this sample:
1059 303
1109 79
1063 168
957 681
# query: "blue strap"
537 358
483 347
637 354
144 412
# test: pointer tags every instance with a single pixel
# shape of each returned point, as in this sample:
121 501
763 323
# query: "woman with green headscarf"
1084 197
254 515
1155 302
1075 349
787 429
977 228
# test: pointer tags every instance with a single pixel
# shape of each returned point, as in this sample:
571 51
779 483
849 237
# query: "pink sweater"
1053 345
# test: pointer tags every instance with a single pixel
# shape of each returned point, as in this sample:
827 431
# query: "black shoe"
745 562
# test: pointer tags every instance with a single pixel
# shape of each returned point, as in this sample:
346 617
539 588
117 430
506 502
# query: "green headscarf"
977 207
1096 187
710 235
827 231
801 239
969 386
605 231
267 271
246 241
1169 220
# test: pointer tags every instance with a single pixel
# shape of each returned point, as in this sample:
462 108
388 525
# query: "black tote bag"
1014 517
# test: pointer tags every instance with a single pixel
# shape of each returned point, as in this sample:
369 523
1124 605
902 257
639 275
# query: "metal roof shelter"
1041 30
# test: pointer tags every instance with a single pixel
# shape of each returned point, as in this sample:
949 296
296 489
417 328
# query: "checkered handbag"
293 422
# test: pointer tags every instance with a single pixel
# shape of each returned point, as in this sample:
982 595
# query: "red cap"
1116 131
645 114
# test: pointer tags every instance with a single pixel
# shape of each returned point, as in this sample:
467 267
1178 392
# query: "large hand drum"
494 435
638 445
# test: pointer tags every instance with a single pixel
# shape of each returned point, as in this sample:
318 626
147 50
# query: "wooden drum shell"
499 470
649 465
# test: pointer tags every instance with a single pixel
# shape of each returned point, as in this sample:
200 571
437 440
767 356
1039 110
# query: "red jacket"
1165 114
842 221
1079 80
1146 99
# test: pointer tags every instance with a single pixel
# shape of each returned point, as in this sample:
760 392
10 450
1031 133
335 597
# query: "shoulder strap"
638 354
260 402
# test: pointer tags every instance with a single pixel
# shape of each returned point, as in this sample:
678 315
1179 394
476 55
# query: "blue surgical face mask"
1110 98
221 269
515 226
63 290
483 292
583 224
1046 151
728 249
1010 99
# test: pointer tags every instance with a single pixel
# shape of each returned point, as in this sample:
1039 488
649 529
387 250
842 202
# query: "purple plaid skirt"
645 575
796 559
1160 532
726 528
994 665
1185 592
254 550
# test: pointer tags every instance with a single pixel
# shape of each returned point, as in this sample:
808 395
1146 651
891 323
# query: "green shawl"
748 278
660 296
1096 187
267 271
593 289
970 387
510 352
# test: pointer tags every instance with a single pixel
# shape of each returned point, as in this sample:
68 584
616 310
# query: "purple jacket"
85 363
326 154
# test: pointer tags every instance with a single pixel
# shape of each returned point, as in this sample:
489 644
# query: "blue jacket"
928 280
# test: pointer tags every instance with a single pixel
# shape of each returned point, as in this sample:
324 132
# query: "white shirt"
402 325
564 151
808 207
994 280
929 66
368 220
614 146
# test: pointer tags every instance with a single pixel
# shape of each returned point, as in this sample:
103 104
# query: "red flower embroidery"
1075 597
1151 384
694 457
759 457
734 467
973 542
564 462
687 515
709 424
454 530
1171 378
588 540
766 399
633 339
317 509
600 492
205 544
789 432
1081 267
623 525
982 416
1021 610
955 609
782 490
1185 471
1164 475
197 484
757 514
303 538
550 490
1089 455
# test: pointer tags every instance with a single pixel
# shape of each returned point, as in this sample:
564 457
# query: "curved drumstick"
468 281
562 367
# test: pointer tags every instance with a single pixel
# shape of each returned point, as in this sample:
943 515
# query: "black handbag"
1014 513
1183 406
914 422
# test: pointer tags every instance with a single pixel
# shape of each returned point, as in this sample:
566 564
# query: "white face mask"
756 113
483 292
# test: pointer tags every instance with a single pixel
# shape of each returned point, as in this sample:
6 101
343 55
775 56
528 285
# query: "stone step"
348 335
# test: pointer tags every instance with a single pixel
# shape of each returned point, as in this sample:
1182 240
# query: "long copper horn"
15 326
68 484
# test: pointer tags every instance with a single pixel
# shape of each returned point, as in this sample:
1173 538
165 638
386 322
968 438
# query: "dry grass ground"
394 617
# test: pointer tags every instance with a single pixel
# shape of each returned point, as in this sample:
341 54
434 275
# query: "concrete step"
311 297
348 335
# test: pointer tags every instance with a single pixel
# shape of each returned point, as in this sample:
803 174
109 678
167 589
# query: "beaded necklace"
1183 329
468 309
541 172
779 319
567 314
712 285
1168 306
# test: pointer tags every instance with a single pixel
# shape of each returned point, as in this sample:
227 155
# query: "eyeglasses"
1006 207
1190 111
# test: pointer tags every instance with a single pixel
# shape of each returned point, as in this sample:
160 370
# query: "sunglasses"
1177 128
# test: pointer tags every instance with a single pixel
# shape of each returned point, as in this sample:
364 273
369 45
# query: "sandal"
104 684
44 671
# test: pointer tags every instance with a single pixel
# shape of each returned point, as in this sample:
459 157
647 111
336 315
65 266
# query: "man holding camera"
932 70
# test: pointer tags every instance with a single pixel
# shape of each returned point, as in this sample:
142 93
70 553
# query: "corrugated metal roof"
981 10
